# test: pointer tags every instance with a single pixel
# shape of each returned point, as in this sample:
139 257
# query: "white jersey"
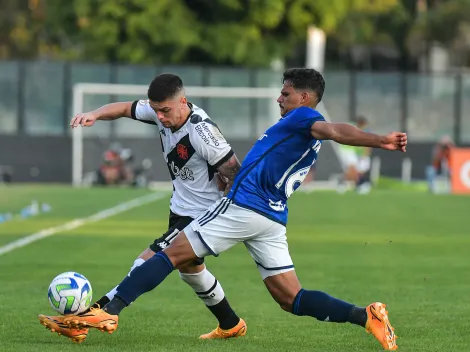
192 153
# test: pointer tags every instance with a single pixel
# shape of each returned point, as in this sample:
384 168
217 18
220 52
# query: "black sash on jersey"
178 157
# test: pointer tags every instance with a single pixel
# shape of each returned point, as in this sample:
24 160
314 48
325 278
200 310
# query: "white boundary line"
120 208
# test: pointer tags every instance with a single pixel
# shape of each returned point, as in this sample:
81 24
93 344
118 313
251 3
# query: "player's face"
289 99
170 112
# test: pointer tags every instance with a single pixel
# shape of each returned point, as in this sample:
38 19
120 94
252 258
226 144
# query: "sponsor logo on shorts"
163 244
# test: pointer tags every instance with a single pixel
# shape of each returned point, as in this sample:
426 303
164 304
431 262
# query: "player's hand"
221 182
83 119
395 141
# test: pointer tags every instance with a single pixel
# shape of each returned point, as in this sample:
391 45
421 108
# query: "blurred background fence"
36 98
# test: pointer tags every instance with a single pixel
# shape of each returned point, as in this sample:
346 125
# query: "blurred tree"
386 31
446 22
255 32
234 32
20 29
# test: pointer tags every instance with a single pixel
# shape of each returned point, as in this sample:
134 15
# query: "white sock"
206 286
112 293
137 262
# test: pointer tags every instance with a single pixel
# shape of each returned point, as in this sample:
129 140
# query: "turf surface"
409 250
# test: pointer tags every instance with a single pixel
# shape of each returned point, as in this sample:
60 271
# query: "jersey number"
295 180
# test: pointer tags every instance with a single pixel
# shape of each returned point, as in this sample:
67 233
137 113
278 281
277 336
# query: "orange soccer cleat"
218 333
94 318
379 326
56 324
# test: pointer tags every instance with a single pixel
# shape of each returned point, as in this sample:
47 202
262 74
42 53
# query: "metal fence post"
404 101
458 108
66 96
113 73
352 94
20 118
253 105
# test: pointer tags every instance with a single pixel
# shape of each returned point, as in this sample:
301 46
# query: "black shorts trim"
176 223
275 268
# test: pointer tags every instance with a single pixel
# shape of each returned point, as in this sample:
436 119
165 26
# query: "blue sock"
323 307
145 278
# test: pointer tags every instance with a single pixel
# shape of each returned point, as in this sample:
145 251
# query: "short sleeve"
209 142
141 111
302 119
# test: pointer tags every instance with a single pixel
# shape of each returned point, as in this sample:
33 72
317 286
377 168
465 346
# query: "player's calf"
209 290
283 287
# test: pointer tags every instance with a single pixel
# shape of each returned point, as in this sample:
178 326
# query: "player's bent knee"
147 254
191 268
180 252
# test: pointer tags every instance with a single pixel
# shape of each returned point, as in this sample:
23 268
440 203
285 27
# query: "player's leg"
145 255
363 185
142 279
175 224
270 252
150 274
195 274
60 326
209 290
348 159
286 290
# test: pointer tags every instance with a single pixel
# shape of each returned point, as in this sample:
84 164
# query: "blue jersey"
277 164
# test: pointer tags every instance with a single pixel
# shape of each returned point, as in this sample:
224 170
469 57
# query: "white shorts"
363 164
226 224
348 158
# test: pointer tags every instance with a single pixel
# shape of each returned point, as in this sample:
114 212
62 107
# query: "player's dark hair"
164 86
305 78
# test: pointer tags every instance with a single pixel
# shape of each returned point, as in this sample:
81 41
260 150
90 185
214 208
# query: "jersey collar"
191 112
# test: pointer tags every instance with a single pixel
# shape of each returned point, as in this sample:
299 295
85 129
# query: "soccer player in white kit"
202 167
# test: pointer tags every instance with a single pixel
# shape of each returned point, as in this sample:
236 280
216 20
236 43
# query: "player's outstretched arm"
111 111
347 134
228 171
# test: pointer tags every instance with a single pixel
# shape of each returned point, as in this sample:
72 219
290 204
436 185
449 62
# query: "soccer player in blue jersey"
255 213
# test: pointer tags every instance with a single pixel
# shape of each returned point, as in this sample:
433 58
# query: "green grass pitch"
409 250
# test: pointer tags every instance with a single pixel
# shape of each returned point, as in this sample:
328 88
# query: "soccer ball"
70 293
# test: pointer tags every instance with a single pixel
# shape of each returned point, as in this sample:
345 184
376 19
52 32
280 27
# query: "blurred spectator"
356 161
114 169
6 173
440 163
